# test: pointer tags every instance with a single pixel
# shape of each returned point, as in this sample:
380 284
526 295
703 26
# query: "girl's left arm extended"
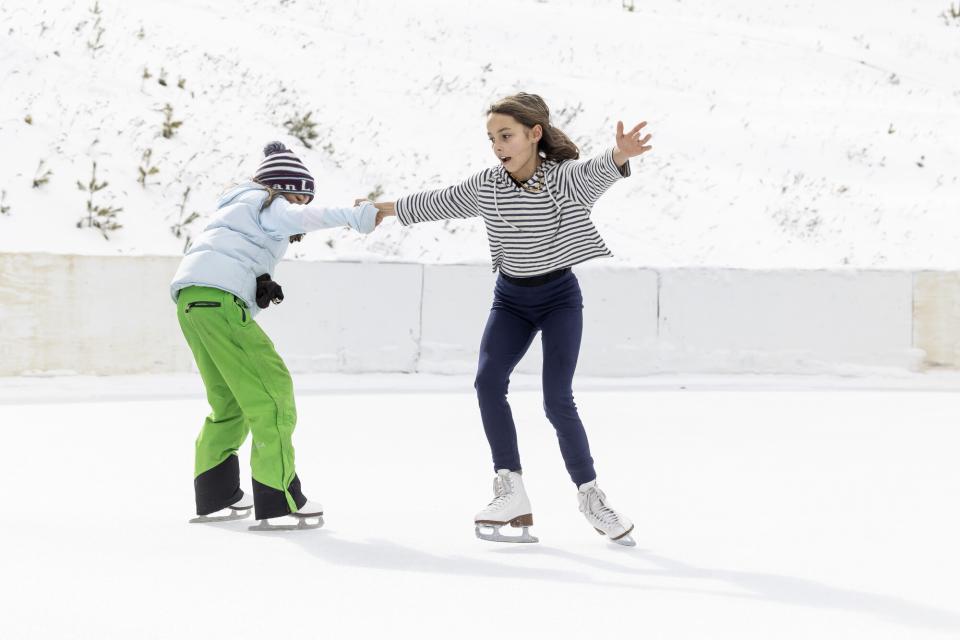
588 179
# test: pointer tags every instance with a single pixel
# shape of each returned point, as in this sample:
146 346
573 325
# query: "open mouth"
505 160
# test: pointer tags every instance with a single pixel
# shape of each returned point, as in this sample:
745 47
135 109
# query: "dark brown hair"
530 110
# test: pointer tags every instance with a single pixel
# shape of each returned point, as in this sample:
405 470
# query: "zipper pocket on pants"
243 310
200 304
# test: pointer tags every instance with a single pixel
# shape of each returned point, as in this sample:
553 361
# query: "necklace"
538 184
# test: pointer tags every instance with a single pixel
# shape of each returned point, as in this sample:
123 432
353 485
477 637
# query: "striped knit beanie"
283 171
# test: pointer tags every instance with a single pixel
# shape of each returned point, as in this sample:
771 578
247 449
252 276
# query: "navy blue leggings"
555 309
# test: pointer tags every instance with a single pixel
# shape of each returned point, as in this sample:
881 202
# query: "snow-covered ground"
813 133
766 507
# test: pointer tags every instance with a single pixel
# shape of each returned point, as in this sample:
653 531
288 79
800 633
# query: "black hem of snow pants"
219 487
272 503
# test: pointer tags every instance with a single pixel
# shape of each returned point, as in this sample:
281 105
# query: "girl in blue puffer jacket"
222 283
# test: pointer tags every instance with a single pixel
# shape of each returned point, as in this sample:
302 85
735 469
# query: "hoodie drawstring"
546 186
496 184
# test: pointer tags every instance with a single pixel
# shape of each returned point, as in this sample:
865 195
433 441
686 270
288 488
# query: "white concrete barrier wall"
348 317
88 315
109 315
796 321
936 316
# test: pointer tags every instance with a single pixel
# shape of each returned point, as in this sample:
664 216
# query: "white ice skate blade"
303 522
235 514
491 533
626 540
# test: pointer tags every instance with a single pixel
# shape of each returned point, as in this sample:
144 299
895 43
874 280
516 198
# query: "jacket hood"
238 191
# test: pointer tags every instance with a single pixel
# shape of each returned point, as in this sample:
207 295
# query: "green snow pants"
249 389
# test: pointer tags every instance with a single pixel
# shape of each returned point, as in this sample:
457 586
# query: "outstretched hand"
383 210
633 143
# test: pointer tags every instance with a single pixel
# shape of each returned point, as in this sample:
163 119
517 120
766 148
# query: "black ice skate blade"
495 536
235 514
304 522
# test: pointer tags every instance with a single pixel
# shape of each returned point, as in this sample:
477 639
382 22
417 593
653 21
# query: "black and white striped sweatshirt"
529 233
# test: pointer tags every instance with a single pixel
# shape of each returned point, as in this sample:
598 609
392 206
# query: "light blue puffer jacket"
242 242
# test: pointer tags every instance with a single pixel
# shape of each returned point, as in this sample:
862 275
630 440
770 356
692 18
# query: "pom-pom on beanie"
283 171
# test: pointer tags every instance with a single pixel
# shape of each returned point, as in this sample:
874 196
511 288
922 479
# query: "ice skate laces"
502 490
594 503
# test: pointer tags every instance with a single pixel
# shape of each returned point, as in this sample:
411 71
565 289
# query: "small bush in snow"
98 216
568 114
96 30
170 125
41 177
146 169
951 15
179 227
303 129
4 207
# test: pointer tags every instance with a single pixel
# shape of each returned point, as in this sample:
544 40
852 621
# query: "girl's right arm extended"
283 219
458 201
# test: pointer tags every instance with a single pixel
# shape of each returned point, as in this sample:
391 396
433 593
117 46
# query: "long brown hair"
530 110
271 195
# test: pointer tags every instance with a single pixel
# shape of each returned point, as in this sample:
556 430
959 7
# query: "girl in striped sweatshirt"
536 205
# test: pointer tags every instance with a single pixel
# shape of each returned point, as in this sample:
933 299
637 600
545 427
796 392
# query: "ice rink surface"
765 508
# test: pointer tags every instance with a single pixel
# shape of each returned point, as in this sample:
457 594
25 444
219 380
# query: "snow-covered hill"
810 133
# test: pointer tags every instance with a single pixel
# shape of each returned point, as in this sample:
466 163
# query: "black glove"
268 291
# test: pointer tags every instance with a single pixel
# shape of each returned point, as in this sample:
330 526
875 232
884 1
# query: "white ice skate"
510 505
236 511
309 516
594 506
